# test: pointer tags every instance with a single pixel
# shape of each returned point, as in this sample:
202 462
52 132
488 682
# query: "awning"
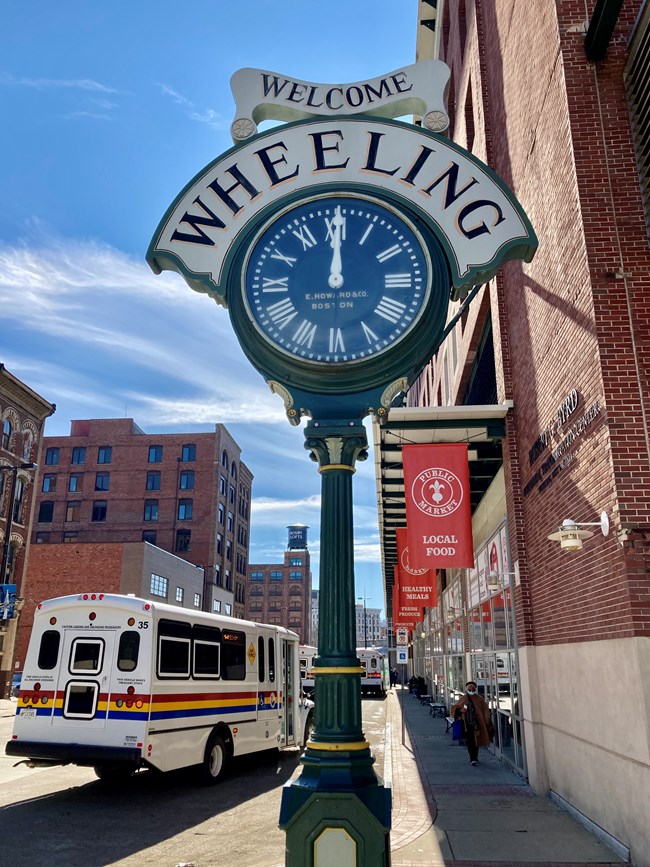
481 427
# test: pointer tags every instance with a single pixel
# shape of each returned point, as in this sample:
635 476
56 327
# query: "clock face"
337 279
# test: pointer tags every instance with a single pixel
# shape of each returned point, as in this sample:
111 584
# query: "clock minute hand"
336 268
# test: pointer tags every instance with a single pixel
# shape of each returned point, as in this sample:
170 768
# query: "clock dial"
337 279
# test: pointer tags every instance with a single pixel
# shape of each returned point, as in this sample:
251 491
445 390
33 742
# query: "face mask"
471 692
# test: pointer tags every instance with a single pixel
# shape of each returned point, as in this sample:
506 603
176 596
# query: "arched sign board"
336 244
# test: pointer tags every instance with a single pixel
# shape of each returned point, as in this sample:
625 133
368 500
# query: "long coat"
482 715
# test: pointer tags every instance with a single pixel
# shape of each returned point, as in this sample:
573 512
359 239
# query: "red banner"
438 509
416 586
404 615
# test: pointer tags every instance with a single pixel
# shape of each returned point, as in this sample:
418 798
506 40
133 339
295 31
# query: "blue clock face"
337 279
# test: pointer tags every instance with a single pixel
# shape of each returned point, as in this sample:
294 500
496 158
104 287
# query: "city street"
66 815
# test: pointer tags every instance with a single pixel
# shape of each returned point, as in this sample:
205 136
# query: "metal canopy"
481 427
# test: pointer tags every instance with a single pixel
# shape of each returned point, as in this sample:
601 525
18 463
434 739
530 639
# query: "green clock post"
336 242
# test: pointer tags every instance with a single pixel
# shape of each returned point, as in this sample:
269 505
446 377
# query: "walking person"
477 723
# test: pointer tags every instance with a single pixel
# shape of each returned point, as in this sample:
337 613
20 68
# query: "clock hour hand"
336 268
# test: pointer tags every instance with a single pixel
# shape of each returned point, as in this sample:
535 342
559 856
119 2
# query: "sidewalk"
446 811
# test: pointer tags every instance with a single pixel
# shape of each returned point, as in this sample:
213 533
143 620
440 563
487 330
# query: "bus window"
127 652
206 651
272 660
260 659
233 655
173 649
86 656
48 652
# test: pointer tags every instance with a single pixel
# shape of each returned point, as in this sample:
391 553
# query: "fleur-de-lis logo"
437 488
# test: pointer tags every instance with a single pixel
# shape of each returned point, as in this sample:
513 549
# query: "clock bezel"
397 214
406 354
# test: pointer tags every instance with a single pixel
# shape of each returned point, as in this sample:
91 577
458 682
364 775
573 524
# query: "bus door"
269 689
84 679
290 698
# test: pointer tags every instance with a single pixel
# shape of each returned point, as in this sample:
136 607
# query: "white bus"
119 683
376 673
306 656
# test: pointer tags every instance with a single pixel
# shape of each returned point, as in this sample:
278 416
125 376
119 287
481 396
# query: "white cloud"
209 116
49 83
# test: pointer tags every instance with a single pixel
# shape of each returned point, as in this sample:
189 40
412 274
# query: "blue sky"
108 109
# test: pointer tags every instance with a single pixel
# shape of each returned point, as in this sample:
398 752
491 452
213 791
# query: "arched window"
233 470
224 459
295 590
7 430
275 590
256 591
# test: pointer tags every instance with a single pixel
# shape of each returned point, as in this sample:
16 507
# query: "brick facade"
281 593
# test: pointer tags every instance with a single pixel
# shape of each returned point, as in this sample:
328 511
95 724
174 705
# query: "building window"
153 480
45 512
222 485
230 525
149 536
276 590
257 576
231 494
102 481
219 544
197 600
78 455
155 454
150 510
185 510
70 536
187 480
295 576
228 608
216 606
229 551
224 459
183 540
228 580
75 482
295 561
217 576
6 434
233 470
49 484
42 538
179 594
189 452
52 457
73 510
99 510
104 455
221 513
158 585
276 576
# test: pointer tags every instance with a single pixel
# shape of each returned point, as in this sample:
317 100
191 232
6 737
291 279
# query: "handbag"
457 730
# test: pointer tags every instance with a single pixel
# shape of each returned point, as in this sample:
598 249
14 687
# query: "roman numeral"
398 281
390 309
276 254
330 229
305 333
305 237
275 284
282 312
371 337
366 233
336 340
389 253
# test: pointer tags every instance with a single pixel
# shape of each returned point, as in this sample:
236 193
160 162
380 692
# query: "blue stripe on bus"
202 711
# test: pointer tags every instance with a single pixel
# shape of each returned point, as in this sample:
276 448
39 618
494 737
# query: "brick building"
139 568
22 417
188 494
545 376
281 592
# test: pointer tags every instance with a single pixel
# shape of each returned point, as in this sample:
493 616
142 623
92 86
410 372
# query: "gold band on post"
333 670
336 467
351 747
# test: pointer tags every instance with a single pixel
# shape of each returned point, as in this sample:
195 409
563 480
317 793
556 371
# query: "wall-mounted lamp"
570 536
493 579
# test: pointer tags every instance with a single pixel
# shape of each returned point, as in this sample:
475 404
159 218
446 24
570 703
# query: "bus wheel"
114 774
215 761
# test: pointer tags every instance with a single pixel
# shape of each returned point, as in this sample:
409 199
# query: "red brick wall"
61 570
